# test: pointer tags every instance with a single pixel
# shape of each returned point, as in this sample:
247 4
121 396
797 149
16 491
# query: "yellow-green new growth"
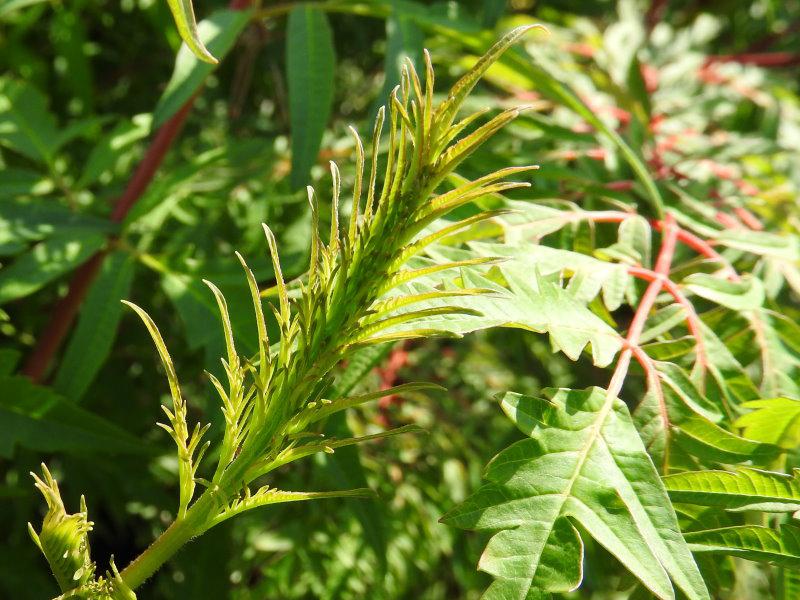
355 295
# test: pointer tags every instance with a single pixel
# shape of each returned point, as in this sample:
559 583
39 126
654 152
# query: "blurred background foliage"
84 87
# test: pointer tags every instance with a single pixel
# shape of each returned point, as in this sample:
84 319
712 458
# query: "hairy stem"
169 542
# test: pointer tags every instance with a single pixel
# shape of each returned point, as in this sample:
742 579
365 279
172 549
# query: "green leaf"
751 542
63 538
459 92
10 6
68 35
704 439
107 151
94 336
745 489
775 421
733 382
218 32
670 349
195 305
37 418
26 124
531 303
780 361
588 276
317 412
692 423
545 79
310 64
45 262
404 40
584 461
183 13
266 496
9 358
492 11
22 222
15 183
747 294
763 243
344 468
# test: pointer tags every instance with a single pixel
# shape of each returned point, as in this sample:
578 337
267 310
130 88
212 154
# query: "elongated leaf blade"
183 13
26 124
747 294
752 542
745 489
774 421
310 68
219 32
37 418
94 336
45 262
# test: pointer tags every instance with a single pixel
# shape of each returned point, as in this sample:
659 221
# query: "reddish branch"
768 41
663 266
61 319
66 309
687 238
631 347
151 161
692 320
760 59
655 13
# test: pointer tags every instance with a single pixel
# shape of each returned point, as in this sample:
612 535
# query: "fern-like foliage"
358 293
680 298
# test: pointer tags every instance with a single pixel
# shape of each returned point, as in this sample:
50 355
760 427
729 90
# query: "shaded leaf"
26 124
37 418
22 222
91 343
45 262
740 295
310 66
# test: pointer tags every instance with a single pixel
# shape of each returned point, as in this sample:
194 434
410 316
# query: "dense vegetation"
576 259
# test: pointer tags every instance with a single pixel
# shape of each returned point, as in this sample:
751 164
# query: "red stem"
66 309
761 59
692 320
62 316
151 161
663 265
655 13
702 247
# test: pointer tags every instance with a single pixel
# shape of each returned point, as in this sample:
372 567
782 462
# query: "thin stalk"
692 320
663 266
169 542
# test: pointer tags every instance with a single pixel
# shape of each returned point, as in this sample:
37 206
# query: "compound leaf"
584 461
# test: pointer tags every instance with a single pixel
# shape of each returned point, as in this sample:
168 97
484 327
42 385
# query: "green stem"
169 542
